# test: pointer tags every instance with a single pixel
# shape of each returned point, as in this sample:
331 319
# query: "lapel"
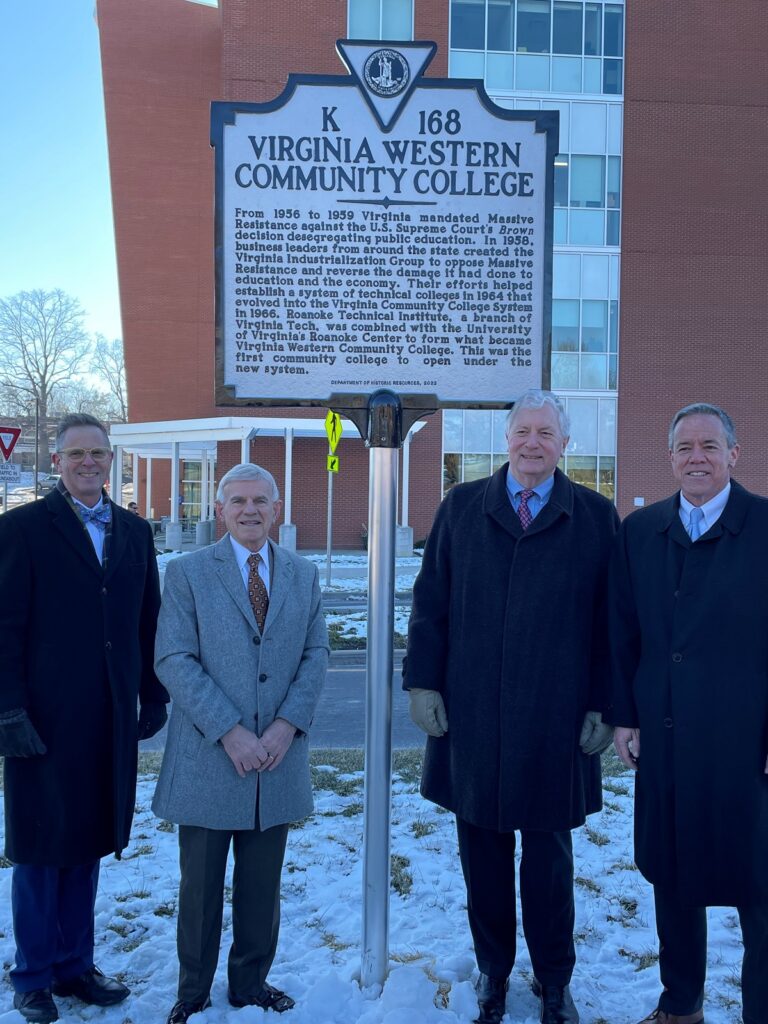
231 579
118 538
498 506
732 518
281 573
70 526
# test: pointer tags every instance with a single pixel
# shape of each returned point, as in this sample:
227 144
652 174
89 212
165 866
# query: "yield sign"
8 438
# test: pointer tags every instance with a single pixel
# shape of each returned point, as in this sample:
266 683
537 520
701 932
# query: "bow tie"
101 514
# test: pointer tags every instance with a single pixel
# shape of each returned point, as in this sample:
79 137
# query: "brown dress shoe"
662 1017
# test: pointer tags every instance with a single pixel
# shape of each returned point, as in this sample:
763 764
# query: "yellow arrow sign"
333 429
332 461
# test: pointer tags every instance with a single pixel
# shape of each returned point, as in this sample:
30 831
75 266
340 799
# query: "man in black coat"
689 631
506 667
79 597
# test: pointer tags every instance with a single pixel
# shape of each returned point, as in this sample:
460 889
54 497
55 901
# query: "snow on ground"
431 960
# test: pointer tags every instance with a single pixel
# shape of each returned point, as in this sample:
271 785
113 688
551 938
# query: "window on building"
533 26
567 34
381 19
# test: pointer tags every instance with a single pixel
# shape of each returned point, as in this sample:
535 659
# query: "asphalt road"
340 716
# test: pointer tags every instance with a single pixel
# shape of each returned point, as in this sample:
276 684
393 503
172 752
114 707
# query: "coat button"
257 640
108 645
667 723
677 657
676 593
103 590
263 677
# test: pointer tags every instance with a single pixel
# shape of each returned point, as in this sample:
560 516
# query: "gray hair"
246 471
535 398
78 419
705 409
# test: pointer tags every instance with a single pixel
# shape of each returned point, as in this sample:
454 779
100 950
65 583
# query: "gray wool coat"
220 671
509 626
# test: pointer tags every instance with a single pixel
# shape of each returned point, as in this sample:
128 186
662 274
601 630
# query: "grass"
401 877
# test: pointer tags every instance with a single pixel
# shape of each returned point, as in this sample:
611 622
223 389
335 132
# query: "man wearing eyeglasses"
79 597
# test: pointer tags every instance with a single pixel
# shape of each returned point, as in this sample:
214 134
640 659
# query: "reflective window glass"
452 421
566 27
607 479
477 430
467 64
565 325
594 326
613 228
498 461
613 199
566 74
587 227
593 35
588 128
583 415
614 31
451 471
593 74
397 19
500 71
588 181
593 372
561 179
476 467
565 370
582 469
364 20
533 26
531 73
614 328
499 430
613 373
594 276
561 227
468 24
501 25
566 275
608 426
612 83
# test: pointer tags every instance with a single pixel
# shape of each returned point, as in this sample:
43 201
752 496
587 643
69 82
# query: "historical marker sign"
382 230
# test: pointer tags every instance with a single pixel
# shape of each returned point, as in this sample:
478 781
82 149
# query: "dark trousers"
546 897
682 934
52 923
203 856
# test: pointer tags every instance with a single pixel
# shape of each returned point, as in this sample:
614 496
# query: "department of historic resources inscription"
351 258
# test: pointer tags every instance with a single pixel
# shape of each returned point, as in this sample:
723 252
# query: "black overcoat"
76 650
509 627
690 654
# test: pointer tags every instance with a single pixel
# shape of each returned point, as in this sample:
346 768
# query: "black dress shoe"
93 987
37 1006
557 1006
269 998
491 998
182 1011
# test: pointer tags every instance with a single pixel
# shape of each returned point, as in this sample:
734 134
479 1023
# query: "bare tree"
109 364
43 343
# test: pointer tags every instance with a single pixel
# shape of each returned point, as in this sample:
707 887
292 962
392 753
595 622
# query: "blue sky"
55 204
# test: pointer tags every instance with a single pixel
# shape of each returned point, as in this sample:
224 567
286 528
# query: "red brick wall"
694 313
163 63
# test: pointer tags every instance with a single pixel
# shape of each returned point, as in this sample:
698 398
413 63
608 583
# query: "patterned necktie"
257 591
697 518
522 510
101 514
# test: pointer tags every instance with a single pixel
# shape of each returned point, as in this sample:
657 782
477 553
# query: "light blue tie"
694 527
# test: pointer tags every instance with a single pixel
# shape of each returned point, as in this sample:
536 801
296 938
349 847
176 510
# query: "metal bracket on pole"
384 435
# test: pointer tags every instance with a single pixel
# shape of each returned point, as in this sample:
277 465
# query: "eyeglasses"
78 454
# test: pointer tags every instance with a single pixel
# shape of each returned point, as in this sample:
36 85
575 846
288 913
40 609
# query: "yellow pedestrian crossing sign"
332 463
334 430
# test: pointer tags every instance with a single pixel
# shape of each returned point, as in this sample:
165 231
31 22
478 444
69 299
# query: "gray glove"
428 712
596 735
18 737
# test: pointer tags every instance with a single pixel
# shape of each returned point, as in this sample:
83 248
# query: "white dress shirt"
243 554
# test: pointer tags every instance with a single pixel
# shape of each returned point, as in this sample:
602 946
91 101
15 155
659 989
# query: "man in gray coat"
243 650
507 669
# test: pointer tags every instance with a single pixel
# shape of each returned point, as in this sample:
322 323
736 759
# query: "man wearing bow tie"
79 598
243 649
507 672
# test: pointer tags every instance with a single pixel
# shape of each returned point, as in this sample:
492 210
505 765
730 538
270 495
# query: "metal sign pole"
329 531
384 439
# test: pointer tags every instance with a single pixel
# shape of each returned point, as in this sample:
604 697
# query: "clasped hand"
249 752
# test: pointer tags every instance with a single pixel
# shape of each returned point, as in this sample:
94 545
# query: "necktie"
257 591
522 510
697 518
101 514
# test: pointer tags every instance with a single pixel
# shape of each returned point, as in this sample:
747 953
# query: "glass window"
477 430
565 371
498 461
533 26
612 83
593 74
565 325
566 27
499 430
594 326
501 25
500 71
566 74
582 469
587 227
588 128
468 25
614 331
561 179
583 415
566 274
593 37
614 127
452 420
588 181
614 228
467 64
532 73
608 426
593 372
607 479
613 199
364 19
451 471
594 276
564 110
477 467
614 31
397 19
561 227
